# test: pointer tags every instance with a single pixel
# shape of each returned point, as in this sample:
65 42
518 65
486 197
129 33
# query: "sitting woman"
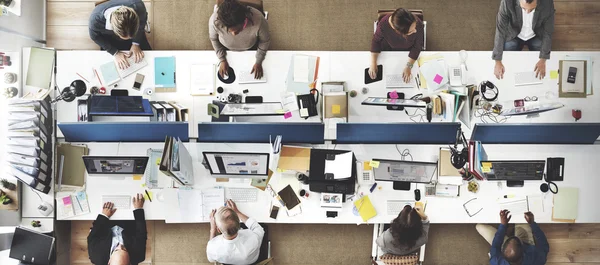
399 31
408 232
234 26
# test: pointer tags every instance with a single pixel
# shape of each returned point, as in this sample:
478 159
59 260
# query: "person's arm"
416 49
141 32
541 242
255 227
100 229
496 250
264 41
210 251
97 37
548 28
381 239
502 24
141 236
214 39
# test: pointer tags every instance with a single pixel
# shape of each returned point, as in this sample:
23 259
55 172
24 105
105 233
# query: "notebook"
365 208
109 73
289 197
565 205
164 74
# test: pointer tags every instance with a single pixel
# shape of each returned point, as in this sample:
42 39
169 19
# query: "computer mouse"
417 195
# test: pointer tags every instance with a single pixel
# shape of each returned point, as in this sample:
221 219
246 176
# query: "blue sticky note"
81 196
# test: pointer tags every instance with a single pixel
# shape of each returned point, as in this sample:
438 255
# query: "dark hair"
402 19
407 228
529 1
232 13
513 243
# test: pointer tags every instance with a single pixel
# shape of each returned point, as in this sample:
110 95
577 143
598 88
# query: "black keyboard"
516 170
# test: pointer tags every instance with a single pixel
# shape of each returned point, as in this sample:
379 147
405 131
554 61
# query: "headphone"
458 158
489 91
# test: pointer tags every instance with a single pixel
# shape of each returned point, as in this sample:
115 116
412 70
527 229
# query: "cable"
487 116
405 153
34 191
421 115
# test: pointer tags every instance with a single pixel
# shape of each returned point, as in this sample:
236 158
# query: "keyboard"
394 207
516 170
396 81
133 67
120 201
242 194
526 78
245 77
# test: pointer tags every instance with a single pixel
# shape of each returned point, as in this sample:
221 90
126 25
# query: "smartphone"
274 211
572 75
379 77
139 79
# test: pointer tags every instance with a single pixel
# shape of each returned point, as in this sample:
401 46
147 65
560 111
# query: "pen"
147 194
509 196
373 187
82 77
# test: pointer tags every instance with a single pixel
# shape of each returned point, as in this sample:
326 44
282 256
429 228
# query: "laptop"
31 247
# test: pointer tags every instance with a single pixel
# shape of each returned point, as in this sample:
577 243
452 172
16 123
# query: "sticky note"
67 200
335 109
553 74
438 79
367 165
374 164
394 94
486 169
81 196
137 177
158 161
279 111
279 170
287 115
146 196
486 164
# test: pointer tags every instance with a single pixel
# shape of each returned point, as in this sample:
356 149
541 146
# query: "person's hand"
138 201
223 67
529 217
420 212
505 217
231 205
499 70
121 58
257 71
108 210
213 223
540 69
373 71
406 74
137 53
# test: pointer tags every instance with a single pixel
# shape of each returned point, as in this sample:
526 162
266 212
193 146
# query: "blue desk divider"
244 132
123 131
397 133
537 133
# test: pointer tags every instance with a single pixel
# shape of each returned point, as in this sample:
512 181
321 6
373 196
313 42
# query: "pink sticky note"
67 200
287 115
394 94
438 79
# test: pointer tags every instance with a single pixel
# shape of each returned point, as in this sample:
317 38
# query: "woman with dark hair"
407 233
399 31
234 26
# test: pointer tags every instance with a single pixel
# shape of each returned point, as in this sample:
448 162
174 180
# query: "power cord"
34 191
404 154
488 116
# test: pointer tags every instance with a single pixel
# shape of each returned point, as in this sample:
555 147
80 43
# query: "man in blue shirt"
520 249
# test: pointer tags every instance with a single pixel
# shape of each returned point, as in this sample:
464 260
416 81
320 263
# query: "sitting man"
233 246
519 249
120 242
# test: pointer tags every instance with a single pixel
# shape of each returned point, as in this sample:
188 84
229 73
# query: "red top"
387 39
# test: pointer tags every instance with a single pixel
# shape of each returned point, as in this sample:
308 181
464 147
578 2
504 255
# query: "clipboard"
581 75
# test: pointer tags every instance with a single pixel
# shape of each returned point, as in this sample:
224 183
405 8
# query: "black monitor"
402 172
237 165
115 164
514 172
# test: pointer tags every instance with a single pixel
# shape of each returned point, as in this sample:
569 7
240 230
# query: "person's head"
513 250
407 228
228 222
403 22
125 22
234 16
119 257
528 5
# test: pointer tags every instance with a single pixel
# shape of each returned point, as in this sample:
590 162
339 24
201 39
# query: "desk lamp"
68 94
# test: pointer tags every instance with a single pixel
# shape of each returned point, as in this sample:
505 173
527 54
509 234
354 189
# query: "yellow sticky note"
374 164
279 111
279 170
486 169
335 109
146 196
553 74
367 165
143 185
158 161
486 164
137 177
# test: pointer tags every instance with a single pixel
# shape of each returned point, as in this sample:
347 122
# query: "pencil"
82 78
147 194
98 76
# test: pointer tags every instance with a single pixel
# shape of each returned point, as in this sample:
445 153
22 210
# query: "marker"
147 194
509 196
373 187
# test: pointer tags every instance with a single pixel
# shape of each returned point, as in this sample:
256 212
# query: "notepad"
365 208
565 205
109 73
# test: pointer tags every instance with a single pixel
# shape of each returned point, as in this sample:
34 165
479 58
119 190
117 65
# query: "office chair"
146 28
390 259
417 12
258 4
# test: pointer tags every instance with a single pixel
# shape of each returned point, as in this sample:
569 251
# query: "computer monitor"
240 165
115 164
404 172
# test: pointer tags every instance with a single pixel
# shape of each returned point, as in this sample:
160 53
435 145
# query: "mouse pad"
230 74
379 77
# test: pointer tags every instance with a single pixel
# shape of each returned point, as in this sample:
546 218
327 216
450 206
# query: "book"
72 205
164 74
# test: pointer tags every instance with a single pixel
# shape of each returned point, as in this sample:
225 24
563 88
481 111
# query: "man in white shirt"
520 23
233 246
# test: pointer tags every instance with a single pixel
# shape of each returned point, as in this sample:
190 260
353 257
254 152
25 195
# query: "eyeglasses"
521 102
534 98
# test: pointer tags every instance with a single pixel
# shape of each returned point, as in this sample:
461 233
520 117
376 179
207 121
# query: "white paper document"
202 79
301 68
245 77
212 199
288 99
340 167
190 205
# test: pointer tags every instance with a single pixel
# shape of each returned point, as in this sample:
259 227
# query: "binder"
169 111
28 125
177 162
30 105
29 180
476 155
27 160
158 110
30 133
40 175
29 115
23 102
29 141
181 112
29 151
71 169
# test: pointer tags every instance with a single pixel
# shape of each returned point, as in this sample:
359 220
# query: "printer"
321 182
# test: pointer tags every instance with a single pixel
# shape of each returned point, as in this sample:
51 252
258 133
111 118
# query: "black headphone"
458 158
488 90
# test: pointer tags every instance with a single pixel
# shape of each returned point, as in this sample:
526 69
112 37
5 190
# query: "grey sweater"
387 243
97 24
255 31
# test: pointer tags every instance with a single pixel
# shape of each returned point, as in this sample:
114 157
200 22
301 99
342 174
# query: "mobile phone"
274 211
572 75
139 79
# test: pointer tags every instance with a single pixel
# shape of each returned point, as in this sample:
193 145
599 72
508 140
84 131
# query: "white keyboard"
120 201
245 77
394 207
133 67
526 78
396 80
242 194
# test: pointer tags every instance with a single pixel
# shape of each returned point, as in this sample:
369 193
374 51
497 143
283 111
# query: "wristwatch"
409 65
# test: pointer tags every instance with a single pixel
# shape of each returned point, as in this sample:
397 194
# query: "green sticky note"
553 74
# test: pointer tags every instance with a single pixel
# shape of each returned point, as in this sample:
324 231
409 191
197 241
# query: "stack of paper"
565 205
340 167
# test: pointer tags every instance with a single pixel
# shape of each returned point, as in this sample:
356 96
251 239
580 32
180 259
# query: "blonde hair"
125 22
227 221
